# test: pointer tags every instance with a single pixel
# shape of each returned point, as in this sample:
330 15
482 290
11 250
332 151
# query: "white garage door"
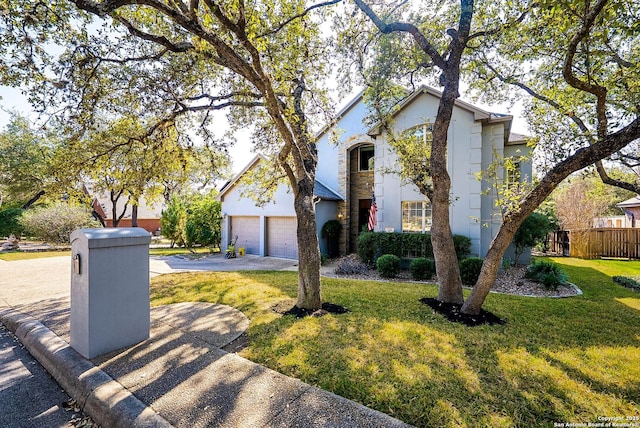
281 237
248 231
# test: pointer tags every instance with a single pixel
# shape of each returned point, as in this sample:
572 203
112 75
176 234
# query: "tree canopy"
171 64
569 57
26 163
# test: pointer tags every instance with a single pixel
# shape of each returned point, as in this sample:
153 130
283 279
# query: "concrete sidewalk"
180 376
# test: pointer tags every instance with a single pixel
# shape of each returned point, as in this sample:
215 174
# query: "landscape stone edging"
575 287
96 393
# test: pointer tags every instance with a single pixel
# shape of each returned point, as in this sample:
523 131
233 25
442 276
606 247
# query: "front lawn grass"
555 360
153 251
10 256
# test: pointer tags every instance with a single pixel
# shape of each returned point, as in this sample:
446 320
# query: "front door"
363 218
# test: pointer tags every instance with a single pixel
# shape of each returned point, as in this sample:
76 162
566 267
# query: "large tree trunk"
308 248
444 252
490 267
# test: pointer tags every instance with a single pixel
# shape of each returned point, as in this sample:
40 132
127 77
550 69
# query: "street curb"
107 402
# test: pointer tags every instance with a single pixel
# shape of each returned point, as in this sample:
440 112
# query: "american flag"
372 212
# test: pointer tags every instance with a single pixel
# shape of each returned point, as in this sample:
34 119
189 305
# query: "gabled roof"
478 113
320 189
630 203
340 114
231 183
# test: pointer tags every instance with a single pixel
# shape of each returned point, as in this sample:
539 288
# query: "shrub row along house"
359 166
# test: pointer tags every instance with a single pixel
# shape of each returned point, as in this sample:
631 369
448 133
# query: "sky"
241 153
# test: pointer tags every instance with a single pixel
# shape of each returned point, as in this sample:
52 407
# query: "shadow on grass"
555 360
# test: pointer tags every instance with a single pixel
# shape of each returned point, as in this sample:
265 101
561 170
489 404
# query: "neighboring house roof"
630 203
320 189
102 205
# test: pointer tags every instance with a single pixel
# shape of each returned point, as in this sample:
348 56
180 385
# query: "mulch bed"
288 307
327 308
451 311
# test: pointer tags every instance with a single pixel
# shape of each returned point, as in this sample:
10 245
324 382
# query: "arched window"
366 158
424 132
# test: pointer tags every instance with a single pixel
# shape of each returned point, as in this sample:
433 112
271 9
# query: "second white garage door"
281 237
248 231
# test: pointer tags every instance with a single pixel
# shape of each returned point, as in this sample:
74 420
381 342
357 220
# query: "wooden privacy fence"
621 243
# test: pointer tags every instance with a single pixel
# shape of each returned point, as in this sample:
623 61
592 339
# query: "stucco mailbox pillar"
109 289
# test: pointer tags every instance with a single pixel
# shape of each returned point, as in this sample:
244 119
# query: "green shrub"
10 222
388 265
372 244
625 281
331 231
422 268
532 231
367 247
470 270
417 245
546 273
462 245
173 221
203 222
54 224
389 243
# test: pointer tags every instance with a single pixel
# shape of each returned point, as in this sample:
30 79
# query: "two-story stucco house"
356 167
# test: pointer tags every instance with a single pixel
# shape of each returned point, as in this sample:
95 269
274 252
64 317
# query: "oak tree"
569 47
172 63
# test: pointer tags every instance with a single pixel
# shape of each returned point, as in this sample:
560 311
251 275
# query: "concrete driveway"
217 262
23 282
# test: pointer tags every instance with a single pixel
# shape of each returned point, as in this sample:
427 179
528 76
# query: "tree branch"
161 40
606 179
579 122
297 16
502 27
567 68
403 27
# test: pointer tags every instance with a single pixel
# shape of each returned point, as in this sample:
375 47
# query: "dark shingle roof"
323 192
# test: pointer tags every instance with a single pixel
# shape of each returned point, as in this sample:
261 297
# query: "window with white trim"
416 216
365 158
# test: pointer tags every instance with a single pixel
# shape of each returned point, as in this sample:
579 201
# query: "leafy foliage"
10 222
388 265
55 223
532 231
583 198
422 268
203 224
546 273
193 220
470 270
26 166
331 229
372 244
174 221
631 283
462 245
